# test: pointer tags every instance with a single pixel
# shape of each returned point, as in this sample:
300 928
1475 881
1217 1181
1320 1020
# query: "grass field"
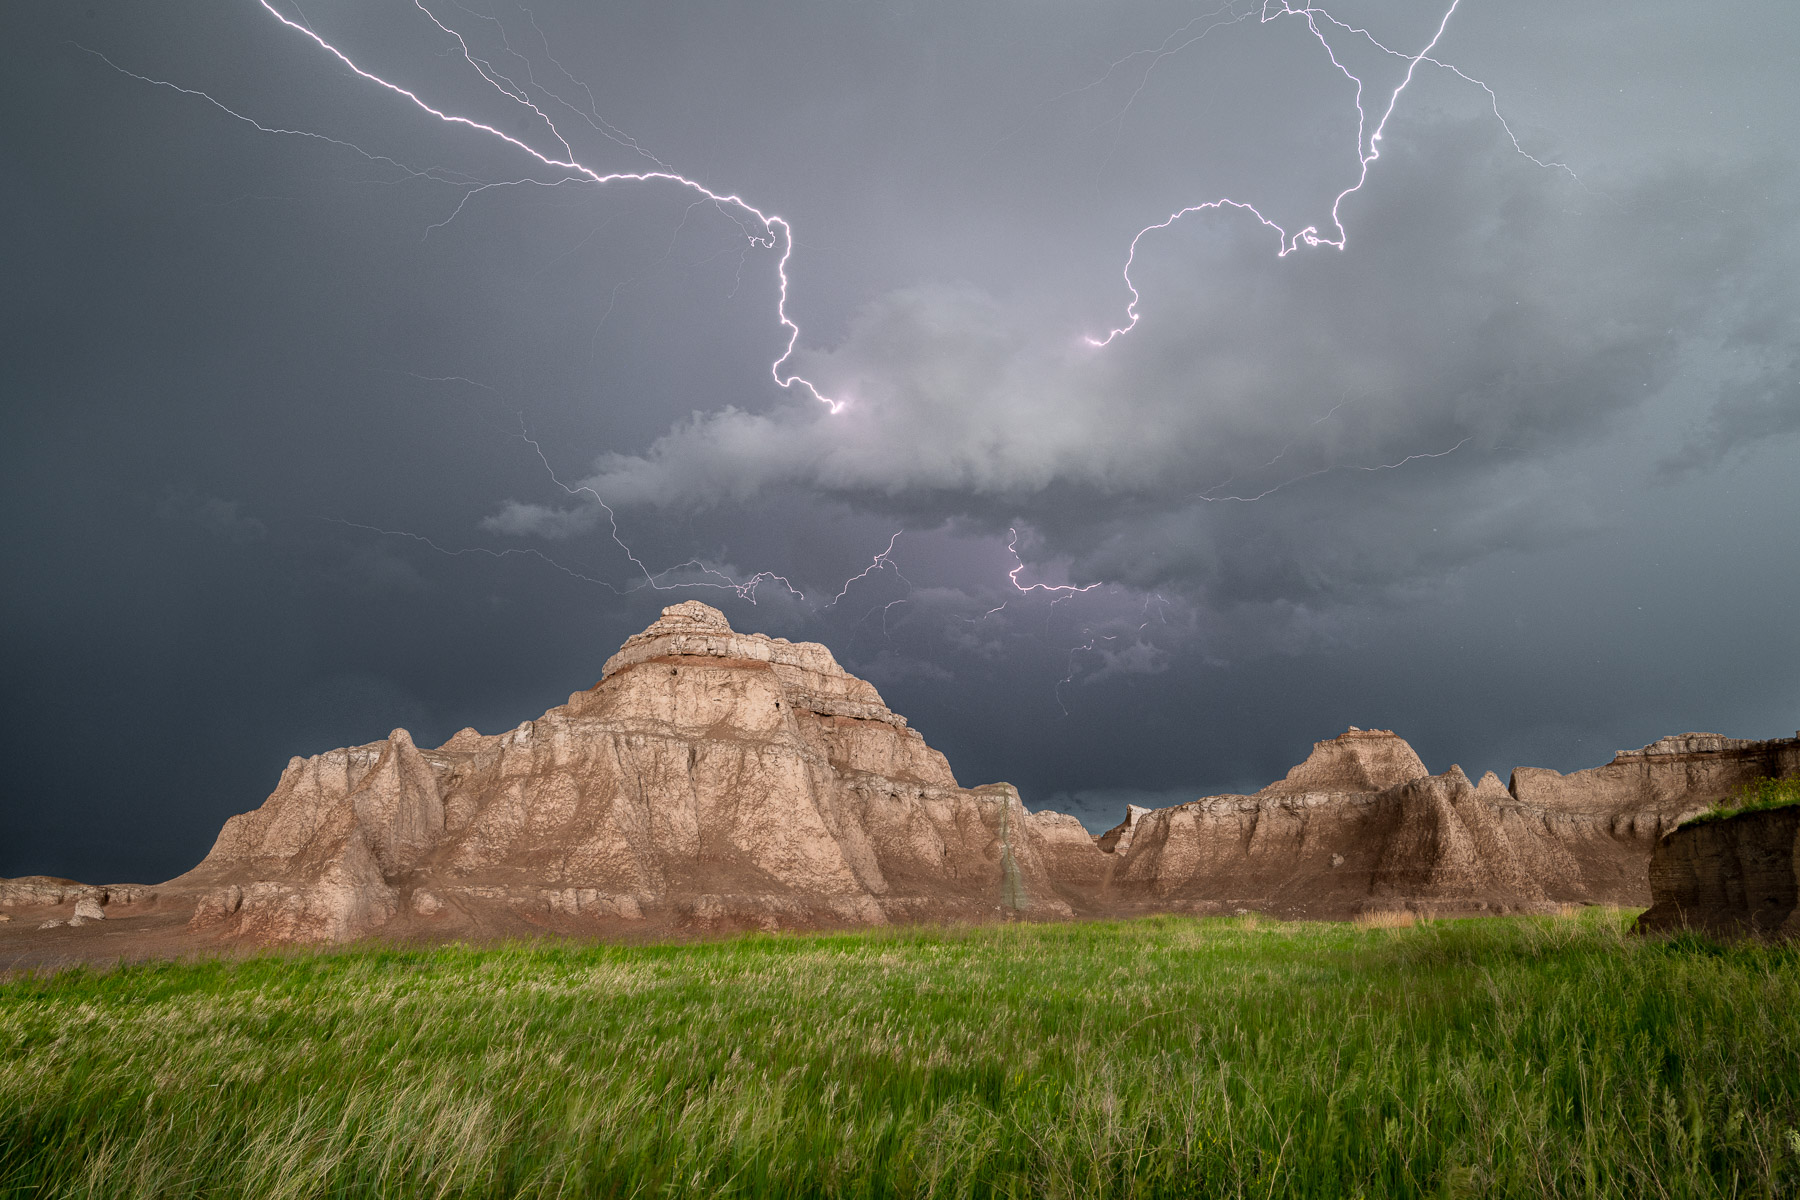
1164 1057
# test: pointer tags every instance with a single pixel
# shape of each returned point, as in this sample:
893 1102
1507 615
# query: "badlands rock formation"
57 902
1361 824
709 776
1734 876
720 780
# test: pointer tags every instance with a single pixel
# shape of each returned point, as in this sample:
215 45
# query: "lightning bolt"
436 174
744 590
1368 148
776 234
481 551
882 561
710 576
765 230
1087 647
1025 589
1393 466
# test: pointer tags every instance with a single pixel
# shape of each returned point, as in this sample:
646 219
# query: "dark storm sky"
1513 473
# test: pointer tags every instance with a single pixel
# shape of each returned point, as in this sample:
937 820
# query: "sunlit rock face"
710 777
1362 825
719 780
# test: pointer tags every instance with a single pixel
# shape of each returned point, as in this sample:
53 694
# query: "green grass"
1164 1057
1753 797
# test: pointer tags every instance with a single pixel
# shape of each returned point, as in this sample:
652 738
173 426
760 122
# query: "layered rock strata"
719 780
710 776
1734 876
1362 825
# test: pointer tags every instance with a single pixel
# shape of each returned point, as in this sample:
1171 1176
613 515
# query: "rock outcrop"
1361 825
63 899
717 780
1733 876
710 777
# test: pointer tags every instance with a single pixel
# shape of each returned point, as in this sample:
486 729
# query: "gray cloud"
518 519
1523 450
1308 428
1748 413
1131 658
224 519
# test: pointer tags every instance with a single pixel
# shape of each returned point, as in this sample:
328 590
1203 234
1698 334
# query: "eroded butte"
714 780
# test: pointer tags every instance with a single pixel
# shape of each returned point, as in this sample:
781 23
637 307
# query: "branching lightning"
435 174
1368 147
710 576
1087 647
744 590
1061 591
764 230
776 234
881 562
481 551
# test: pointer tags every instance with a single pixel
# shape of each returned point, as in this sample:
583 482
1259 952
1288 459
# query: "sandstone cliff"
710 776
720 780
1362 825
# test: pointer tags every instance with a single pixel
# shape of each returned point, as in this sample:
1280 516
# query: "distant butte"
714 780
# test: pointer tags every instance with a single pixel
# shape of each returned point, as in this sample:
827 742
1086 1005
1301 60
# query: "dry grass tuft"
1386 918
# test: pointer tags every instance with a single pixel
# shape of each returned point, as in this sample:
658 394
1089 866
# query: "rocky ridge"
713 779
1362 825
710 777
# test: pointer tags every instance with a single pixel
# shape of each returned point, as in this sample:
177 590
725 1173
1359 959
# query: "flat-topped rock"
1664 783
695 630
1700 743
1357 760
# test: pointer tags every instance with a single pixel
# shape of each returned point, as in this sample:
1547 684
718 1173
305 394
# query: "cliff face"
1735 876
710 777
1362 825
1668 781
713 779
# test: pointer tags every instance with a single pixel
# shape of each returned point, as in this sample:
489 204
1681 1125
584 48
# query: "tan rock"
1359 760
1661 785
718 780
710 777
39 889
1361 823
88 909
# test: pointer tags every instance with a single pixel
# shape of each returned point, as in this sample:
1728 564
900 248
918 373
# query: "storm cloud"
1483 310
377 422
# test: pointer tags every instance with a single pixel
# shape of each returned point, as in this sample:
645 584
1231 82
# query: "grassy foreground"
1165 1057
